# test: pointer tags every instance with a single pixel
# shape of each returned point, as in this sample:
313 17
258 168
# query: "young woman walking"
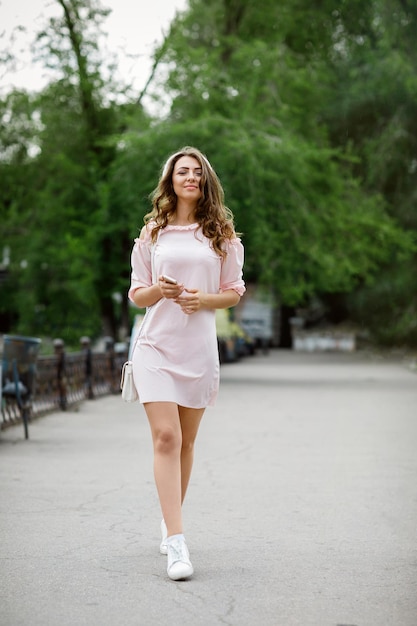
186 263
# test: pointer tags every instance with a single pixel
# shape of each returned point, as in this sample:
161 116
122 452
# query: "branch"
86 97
157 59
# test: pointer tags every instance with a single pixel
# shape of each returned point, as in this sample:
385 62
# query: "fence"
64 380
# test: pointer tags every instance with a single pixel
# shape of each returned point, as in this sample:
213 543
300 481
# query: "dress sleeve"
141 275
231 276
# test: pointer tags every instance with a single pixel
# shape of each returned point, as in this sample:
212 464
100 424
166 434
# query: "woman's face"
186 178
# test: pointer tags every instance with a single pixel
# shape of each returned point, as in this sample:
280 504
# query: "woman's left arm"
232 286
222 300
192 300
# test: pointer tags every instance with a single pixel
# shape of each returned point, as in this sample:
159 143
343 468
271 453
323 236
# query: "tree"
308 113
374 116
18 126
69 242
251 89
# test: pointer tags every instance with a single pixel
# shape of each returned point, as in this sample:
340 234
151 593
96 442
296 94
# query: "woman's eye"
185 172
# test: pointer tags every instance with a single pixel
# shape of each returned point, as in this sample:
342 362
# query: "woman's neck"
183 216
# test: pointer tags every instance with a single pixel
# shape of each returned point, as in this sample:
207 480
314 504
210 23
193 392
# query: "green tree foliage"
18 126
374 116
66 245
307 229
253 85
307 112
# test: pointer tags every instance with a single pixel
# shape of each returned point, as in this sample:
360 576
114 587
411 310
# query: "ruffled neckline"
192 226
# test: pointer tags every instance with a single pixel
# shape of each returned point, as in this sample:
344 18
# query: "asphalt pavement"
302 507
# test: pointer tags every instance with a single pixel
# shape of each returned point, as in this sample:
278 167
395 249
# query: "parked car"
232 340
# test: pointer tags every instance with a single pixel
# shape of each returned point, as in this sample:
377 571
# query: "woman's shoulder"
145 235
233 240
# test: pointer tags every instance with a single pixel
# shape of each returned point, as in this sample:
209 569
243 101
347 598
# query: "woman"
189 237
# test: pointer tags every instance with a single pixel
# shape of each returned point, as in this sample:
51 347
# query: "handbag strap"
122 377
153 247
154 280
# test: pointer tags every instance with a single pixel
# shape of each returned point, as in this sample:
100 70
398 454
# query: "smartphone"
169 280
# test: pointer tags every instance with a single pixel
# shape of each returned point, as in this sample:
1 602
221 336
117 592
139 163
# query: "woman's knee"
167 441
187 445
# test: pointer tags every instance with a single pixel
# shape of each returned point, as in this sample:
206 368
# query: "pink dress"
176 356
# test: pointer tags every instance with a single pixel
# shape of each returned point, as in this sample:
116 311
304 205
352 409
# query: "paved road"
302 509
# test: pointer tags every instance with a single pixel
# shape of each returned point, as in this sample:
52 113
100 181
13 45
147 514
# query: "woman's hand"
190 301
168 290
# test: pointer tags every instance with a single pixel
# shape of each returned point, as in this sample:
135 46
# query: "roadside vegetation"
308 112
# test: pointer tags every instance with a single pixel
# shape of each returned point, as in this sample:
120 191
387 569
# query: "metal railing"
59 387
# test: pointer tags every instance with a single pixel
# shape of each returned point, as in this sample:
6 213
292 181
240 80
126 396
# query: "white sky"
133 27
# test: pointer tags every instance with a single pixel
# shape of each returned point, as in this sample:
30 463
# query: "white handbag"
127 384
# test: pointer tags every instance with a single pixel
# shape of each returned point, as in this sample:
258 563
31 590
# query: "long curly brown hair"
214 218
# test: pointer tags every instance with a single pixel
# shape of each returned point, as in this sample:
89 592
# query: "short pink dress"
176 355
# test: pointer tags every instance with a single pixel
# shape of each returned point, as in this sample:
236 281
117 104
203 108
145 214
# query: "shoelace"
177 551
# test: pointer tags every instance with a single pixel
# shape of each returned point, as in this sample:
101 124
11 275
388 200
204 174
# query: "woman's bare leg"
165 426
190 421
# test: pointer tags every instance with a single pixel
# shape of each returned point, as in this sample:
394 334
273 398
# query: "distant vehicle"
256 319
232 339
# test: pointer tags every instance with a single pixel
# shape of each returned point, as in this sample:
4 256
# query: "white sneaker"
163 548
179 564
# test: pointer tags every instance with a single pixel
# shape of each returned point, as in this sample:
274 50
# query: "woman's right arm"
142 292
147 296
